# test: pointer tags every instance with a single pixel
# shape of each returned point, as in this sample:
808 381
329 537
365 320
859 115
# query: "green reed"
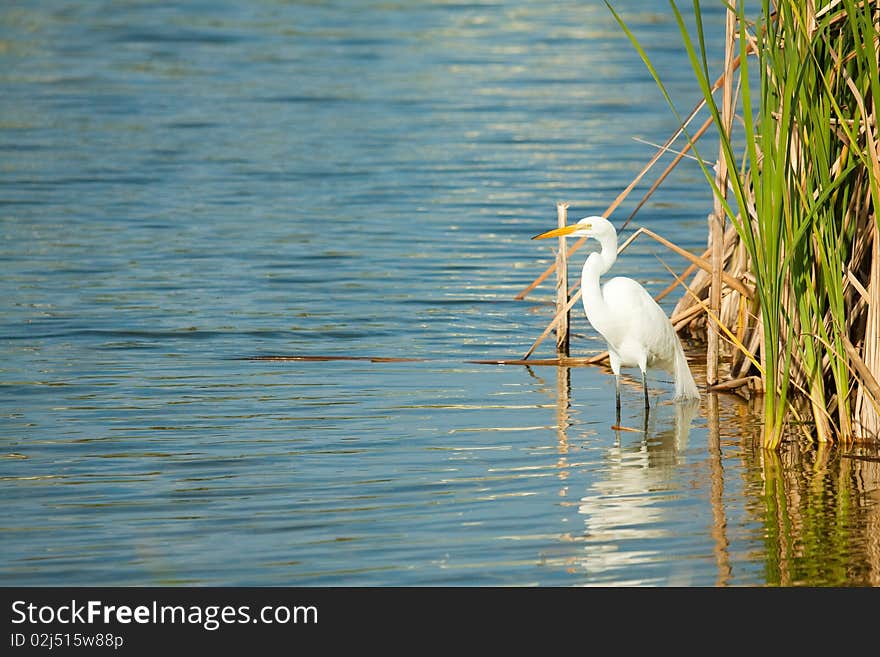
805 185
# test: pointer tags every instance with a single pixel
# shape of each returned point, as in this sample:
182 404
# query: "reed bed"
787 296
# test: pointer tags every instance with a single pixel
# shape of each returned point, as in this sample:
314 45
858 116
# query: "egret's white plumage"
638 332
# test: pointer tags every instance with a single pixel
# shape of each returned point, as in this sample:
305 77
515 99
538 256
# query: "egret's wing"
646 322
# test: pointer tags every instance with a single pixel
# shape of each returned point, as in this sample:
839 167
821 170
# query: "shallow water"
186 188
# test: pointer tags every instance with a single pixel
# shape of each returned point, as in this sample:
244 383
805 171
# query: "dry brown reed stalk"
562 327
635 181
867 416
716 219
669 167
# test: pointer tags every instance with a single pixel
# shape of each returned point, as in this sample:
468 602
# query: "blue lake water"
185 187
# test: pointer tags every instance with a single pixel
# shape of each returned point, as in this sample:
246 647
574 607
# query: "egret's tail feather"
685 386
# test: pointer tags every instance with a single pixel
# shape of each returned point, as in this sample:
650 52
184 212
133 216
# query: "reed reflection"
815 505
820 512
721 543
810 513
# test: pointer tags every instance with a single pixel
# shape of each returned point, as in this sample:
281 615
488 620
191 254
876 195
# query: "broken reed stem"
562 284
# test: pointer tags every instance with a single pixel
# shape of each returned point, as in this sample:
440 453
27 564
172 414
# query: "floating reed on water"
792 281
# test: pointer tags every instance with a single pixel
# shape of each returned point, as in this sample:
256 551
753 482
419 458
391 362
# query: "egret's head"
596 227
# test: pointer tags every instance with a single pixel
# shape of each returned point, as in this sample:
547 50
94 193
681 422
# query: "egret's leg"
643 365
614 361
617 395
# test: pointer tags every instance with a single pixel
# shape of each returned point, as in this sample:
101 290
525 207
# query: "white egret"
636 329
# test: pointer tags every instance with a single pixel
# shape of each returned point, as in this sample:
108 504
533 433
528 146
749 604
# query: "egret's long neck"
597 264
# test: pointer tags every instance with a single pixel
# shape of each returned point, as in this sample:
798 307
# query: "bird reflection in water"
627 510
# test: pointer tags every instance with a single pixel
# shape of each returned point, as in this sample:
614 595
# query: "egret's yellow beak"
560 232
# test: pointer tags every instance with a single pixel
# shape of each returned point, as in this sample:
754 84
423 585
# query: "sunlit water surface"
186 186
